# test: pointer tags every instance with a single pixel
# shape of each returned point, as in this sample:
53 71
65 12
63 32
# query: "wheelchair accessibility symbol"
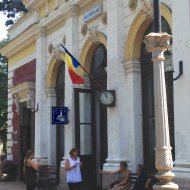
60 115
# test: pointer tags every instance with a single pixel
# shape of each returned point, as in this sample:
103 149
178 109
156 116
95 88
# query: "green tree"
11 8
3 97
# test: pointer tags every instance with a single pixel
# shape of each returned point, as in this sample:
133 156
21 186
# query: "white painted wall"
181 51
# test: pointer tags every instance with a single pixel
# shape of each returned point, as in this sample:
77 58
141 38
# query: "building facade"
106 36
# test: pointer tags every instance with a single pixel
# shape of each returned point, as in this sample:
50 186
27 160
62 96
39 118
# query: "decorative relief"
50 48
132 4
57 52
104 18
157 41
64 39
93 35
84 28
164 159
147 6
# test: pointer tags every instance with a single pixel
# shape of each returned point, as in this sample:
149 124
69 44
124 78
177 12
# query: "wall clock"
107 98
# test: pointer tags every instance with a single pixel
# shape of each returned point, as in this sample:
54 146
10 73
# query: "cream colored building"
106 36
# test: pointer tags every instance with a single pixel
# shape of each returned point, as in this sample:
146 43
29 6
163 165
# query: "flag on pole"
72 65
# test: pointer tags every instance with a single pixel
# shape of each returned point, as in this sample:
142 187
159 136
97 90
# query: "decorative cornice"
20 42
33 4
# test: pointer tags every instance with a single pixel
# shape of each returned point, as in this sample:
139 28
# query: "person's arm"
125 180
148 183
33 165
109 172
67 166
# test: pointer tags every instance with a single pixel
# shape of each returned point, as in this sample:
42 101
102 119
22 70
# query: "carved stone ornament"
157 41
84 28
132 4
64 40
92 35
164 159
104 18
50 48
147 6
57 52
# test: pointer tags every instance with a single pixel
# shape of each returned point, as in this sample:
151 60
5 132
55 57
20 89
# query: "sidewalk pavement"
12 185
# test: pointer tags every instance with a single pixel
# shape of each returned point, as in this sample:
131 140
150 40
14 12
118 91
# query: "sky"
3 28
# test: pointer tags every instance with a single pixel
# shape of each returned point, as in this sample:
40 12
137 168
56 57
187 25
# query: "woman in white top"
72 166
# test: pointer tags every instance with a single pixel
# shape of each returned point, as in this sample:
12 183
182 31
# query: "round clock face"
106 98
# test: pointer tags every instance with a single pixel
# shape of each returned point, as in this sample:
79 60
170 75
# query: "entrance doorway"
91 122
26 134
148 114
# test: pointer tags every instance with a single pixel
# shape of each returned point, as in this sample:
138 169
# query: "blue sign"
60 115
92 13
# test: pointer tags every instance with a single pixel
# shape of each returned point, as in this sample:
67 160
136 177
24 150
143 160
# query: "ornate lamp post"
158 42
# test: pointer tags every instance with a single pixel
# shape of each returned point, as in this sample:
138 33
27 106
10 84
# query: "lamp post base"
167 186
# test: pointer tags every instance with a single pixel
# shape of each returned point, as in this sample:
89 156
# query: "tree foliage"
11 8
3 95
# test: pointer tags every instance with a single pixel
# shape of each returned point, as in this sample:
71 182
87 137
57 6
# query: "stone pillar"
157 43
114 57
41 120
72 46
133 105
51 129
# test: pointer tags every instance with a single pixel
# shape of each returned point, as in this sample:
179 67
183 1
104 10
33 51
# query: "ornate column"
157 43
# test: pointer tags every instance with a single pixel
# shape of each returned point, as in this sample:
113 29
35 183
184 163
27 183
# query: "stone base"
63 182
167 186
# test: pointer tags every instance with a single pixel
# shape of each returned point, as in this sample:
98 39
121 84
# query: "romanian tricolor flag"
72 65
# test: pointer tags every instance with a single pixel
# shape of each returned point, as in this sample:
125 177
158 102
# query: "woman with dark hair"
124 175
72 166
142 178
30 168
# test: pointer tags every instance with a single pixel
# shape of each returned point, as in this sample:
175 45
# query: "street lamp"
157 42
